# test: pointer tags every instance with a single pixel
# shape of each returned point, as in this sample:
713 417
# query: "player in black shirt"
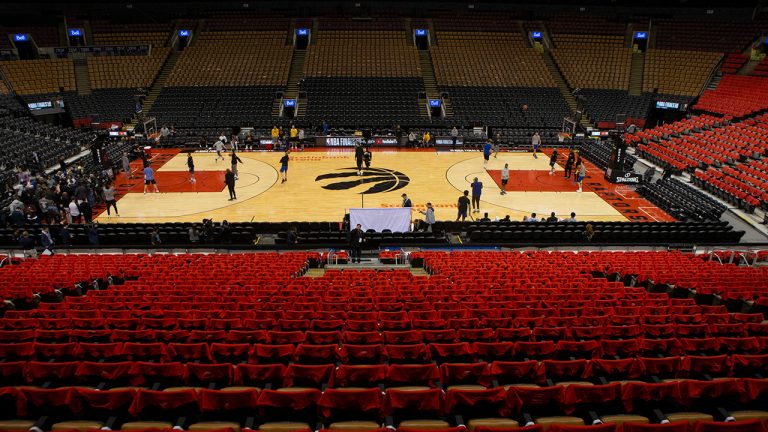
284 166
367 156
463 206
359 153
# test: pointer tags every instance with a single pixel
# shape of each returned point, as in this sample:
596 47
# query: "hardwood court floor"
323 185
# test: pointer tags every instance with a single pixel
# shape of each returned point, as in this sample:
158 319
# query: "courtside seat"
492 423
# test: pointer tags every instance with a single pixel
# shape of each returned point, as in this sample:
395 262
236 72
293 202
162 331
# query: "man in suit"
356 239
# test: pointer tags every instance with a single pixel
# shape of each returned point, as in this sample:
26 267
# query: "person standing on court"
359 153
126 166
429 216
569 164
536 143
552 162
454 136
275 134
235 161
367 157
109 198
487 149
504 178
477 190
149 179
219 146
581 172
284 165
463 206
356 239
229 180
406 201
191 166
294 133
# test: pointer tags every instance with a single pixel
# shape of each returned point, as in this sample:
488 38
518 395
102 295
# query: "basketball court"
323 184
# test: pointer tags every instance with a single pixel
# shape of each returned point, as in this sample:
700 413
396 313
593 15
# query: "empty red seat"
205 374
261 375
413 374
191 352
298 375
359 375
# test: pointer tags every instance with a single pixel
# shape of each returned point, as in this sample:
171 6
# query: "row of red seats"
174 373
428 331
735 95
30 277
368 351
660 268
703 121
509 315
374 405
733 62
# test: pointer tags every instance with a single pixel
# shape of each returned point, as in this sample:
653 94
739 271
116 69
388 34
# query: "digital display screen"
667 105
40 105
20 37
289 103
341 141
184 33
641 35
434 103
75 32
118 133
265 141
448 141
536 35
302 32
421 32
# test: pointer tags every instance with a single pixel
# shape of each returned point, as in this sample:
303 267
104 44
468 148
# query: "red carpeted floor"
534 181
622 198
178 181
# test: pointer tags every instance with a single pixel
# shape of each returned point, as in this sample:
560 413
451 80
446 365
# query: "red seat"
416 403
681 426
613 370
60 351
316 354
144 351
665 367
403 337
464 373
578 349
226 405
271 354
594 395
362 337
13 373
94 373
163 405
620 348
261 375
746 365
230 352
59 373
205 374
298 375
736 426
361 354
607 427
710 365
17 351
564 370
535 350
668 347
493 350
452 352
192 352
476 403
416 353
355 404
359 375
289 406
636 394
142 373
413 374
